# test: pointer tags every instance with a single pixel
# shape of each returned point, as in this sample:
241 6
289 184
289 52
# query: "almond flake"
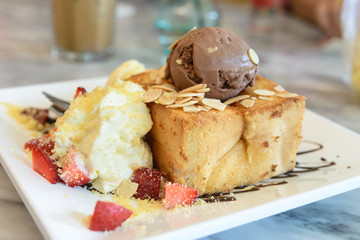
158 80
183 100
287 95
161 71
247 103
204 108
163 87
191 108
178 61
152 94
212 49
153 74
253 56
279 88
266 98
190 94
264 92
203 90
193 88
199 97
168 98
214 103
182 104
169 85
127 189
235 99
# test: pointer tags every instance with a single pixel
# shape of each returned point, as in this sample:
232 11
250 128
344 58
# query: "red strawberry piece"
44 144
45 165
149 181
108 216
50 133
79 91
177 194
74 172
40 115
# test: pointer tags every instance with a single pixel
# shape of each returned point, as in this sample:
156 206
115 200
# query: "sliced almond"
152 94
177 41
190 94
264 92
214 103
178 61
158 80
204 108
153 74
235 99
169 85
287 95
191 108
247 103
168 98
253 56
161 71
266 98
193 88
202 90
279 88
212 49
183 100
199 98
182 104
127 189
163 87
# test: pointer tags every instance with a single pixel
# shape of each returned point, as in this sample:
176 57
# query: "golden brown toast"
218 150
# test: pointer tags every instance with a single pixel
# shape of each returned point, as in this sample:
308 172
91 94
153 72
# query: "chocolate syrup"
319 147
228 196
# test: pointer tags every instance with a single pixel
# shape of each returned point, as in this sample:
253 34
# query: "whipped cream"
107 125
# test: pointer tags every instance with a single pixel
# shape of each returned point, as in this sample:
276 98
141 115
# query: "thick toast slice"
218 150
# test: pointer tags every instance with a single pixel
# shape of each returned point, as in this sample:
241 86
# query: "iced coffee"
83 29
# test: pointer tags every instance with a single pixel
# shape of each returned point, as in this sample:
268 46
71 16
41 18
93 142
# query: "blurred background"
294 49
299 47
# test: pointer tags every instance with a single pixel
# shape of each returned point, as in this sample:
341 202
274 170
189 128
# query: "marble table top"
291 56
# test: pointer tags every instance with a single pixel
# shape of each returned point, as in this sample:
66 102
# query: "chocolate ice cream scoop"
216 57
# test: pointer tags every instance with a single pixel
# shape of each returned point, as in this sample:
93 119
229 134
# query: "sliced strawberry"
50 133
79 91
40 115
45 165
74 172
108 216
44 144
177 194
149 181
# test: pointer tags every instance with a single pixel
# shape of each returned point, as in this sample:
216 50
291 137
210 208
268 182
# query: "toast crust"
216 151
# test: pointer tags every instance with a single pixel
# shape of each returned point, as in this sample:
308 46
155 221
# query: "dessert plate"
59 210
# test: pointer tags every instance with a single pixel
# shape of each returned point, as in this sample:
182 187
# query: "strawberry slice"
177 194
40 115
149 181
108 216
50 133
79 91
45 144
45 165
74 172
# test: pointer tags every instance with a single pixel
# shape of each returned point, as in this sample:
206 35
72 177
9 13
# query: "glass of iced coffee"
83 29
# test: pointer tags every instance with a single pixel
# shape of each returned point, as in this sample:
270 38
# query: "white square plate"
58 210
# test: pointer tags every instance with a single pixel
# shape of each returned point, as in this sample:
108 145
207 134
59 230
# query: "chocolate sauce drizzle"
299 169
